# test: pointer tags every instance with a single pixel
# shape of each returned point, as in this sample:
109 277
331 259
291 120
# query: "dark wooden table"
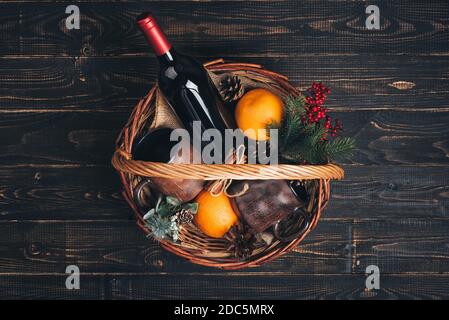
65 94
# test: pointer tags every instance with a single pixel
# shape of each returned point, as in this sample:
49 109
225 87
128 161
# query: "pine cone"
242 241
184 216
231 88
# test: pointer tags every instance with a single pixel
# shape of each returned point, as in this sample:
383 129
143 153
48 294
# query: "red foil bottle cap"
153 33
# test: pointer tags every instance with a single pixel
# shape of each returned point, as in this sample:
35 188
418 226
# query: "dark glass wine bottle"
184 82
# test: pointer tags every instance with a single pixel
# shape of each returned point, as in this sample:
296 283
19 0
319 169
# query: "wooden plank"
390 192
223 286
49 287
281 287
93 193
219 28
398 138
334 247
399 246
114 84
402 245
74 84
370 82
59 138
383 137
120 246
65 193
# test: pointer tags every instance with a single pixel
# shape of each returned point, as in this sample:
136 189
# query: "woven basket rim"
123 161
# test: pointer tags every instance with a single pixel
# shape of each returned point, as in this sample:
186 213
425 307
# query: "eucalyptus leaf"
149 214
173 201
193 207
175 235
164 210
160 227
159 202
162 220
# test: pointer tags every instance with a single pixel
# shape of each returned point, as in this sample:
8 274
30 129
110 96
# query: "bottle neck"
155 37
168 58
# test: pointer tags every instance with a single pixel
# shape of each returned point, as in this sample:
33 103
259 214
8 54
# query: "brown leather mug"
156 146
278 203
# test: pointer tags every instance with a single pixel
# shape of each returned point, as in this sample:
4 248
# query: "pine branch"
301 142
291 125
314 134
305 152
340 148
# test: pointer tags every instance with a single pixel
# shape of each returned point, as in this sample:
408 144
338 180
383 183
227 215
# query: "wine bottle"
184 82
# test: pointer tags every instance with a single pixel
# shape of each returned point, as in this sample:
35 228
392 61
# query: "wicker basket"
193 244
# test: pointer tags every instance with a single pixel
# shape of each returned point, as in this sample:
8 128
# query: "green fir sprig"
302 142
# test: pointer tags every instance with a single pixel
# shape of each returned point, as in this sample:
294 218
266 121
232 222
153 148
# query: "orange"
215 215
257 109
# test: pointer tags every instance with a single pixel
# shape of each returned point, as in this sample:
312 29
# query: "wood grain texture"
390 192
120 246
93 193
282 287
224 286
403 245
219 28
417 246
383 137
59 138
58 84
74 84
64 96
61 193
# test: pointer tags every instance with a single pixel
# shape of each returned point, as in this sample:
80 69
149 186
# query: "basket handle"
122 161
